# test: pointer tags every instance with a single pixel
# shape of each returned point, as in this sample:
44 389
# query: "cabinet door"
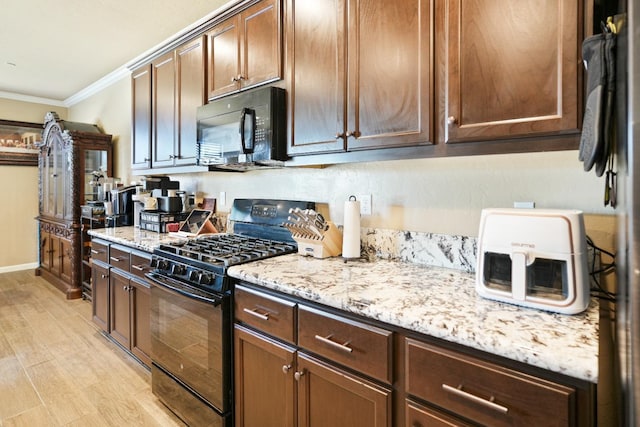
191 94
328 396
45 250
509 68
264 381
317 70
389 69
141 321
100 296
65 260
163 110
224 57
141 120
120 308
55 251
260 44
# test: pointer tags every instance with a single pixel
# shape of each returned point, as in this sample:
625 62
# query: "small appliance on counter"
534 258
122 206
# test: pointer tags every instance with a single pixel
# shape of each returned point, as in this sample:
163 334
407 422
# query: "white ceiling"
54 50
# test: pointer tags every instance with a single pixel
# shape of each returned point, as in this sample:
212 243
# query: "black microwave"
243 131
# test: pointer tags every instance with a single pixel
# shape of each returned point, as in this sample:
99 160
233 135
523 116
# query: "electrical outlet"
222 199
365 204
524 205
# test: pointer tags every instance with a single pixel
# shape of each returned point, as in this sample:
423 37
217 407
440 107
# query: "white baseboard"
10 268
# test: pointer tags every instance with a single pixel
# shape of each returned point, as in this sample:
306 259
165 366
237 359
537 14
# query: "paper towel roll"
351 229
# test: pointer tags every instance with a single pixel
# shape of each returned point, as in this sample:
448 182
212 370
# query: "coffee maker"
122 202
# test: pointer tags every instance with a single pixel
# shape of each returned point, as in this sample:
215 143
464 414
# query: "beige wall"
431 195
18 228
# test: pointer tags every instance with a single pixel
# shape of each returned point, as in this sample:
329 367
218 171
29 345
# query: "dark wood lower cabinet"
329 396
330 373
121 298
100 291
264 381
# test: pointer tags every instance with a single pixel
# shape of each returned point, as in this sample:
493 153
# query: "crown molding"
97 86
32 99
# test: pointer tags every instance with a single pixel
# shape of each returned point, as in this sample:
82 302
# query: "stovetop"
218 251
258 233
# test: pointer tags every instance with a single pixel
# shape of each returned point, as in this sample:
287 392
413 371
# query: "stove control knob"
178 269
153 263
205 279
194 276
163 264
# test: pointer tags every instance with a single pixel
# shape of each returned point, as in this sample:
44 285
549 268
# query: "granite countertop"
136 238
438 302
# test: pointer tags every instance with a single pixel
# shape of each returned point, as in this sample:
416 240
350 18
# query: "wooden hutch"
69 153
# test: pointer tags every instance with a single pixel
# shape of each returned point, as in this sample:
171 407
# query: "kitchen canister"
351 229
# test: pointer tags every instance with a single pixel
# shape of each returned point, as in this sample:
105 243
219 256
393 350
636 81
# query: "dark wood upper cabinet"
141 118
507 69
164 110
164 121
190 94
246 49
360 74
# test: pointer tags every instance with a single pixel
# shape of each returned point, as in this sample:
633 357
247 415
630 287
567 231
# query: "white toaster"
535 258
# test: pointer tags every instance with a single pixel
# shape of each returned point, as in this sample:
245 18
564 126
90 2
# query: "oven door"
191 341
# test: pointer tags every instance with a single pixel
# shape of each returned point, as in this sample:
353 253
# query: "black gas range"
192 312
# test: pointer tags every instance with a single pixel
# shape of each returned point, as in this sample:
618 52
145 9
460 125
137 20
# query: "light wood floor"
57 369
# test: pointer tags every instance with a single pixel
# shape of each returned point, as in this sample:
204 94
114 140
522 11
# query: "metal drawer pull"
256 314
138 267
327 340
112 258
93 251
298 375
286 368
484 402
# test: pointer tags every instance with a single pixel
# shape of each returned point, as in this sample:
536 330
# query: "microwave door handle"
247 144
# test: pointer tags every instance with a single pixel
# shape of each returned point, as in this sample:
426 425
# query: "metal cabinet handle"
298 375
112 258
104 276
339 135
484 402
93 251
138 267
286 369
353 133
253 312
327 340
451 120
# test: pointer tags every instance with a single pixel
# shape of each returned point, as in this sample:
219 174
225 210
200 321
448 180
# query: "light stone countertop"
136 238
435 301
438 302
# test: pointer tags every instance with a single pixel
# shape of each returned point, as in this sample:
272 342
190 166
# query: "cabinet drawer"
140 264
100 251
365 348
271 315
420 416
119 258
484 392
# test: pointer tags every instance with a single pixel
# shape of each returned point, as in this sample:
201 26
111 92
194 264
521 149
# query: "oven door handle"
185 290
